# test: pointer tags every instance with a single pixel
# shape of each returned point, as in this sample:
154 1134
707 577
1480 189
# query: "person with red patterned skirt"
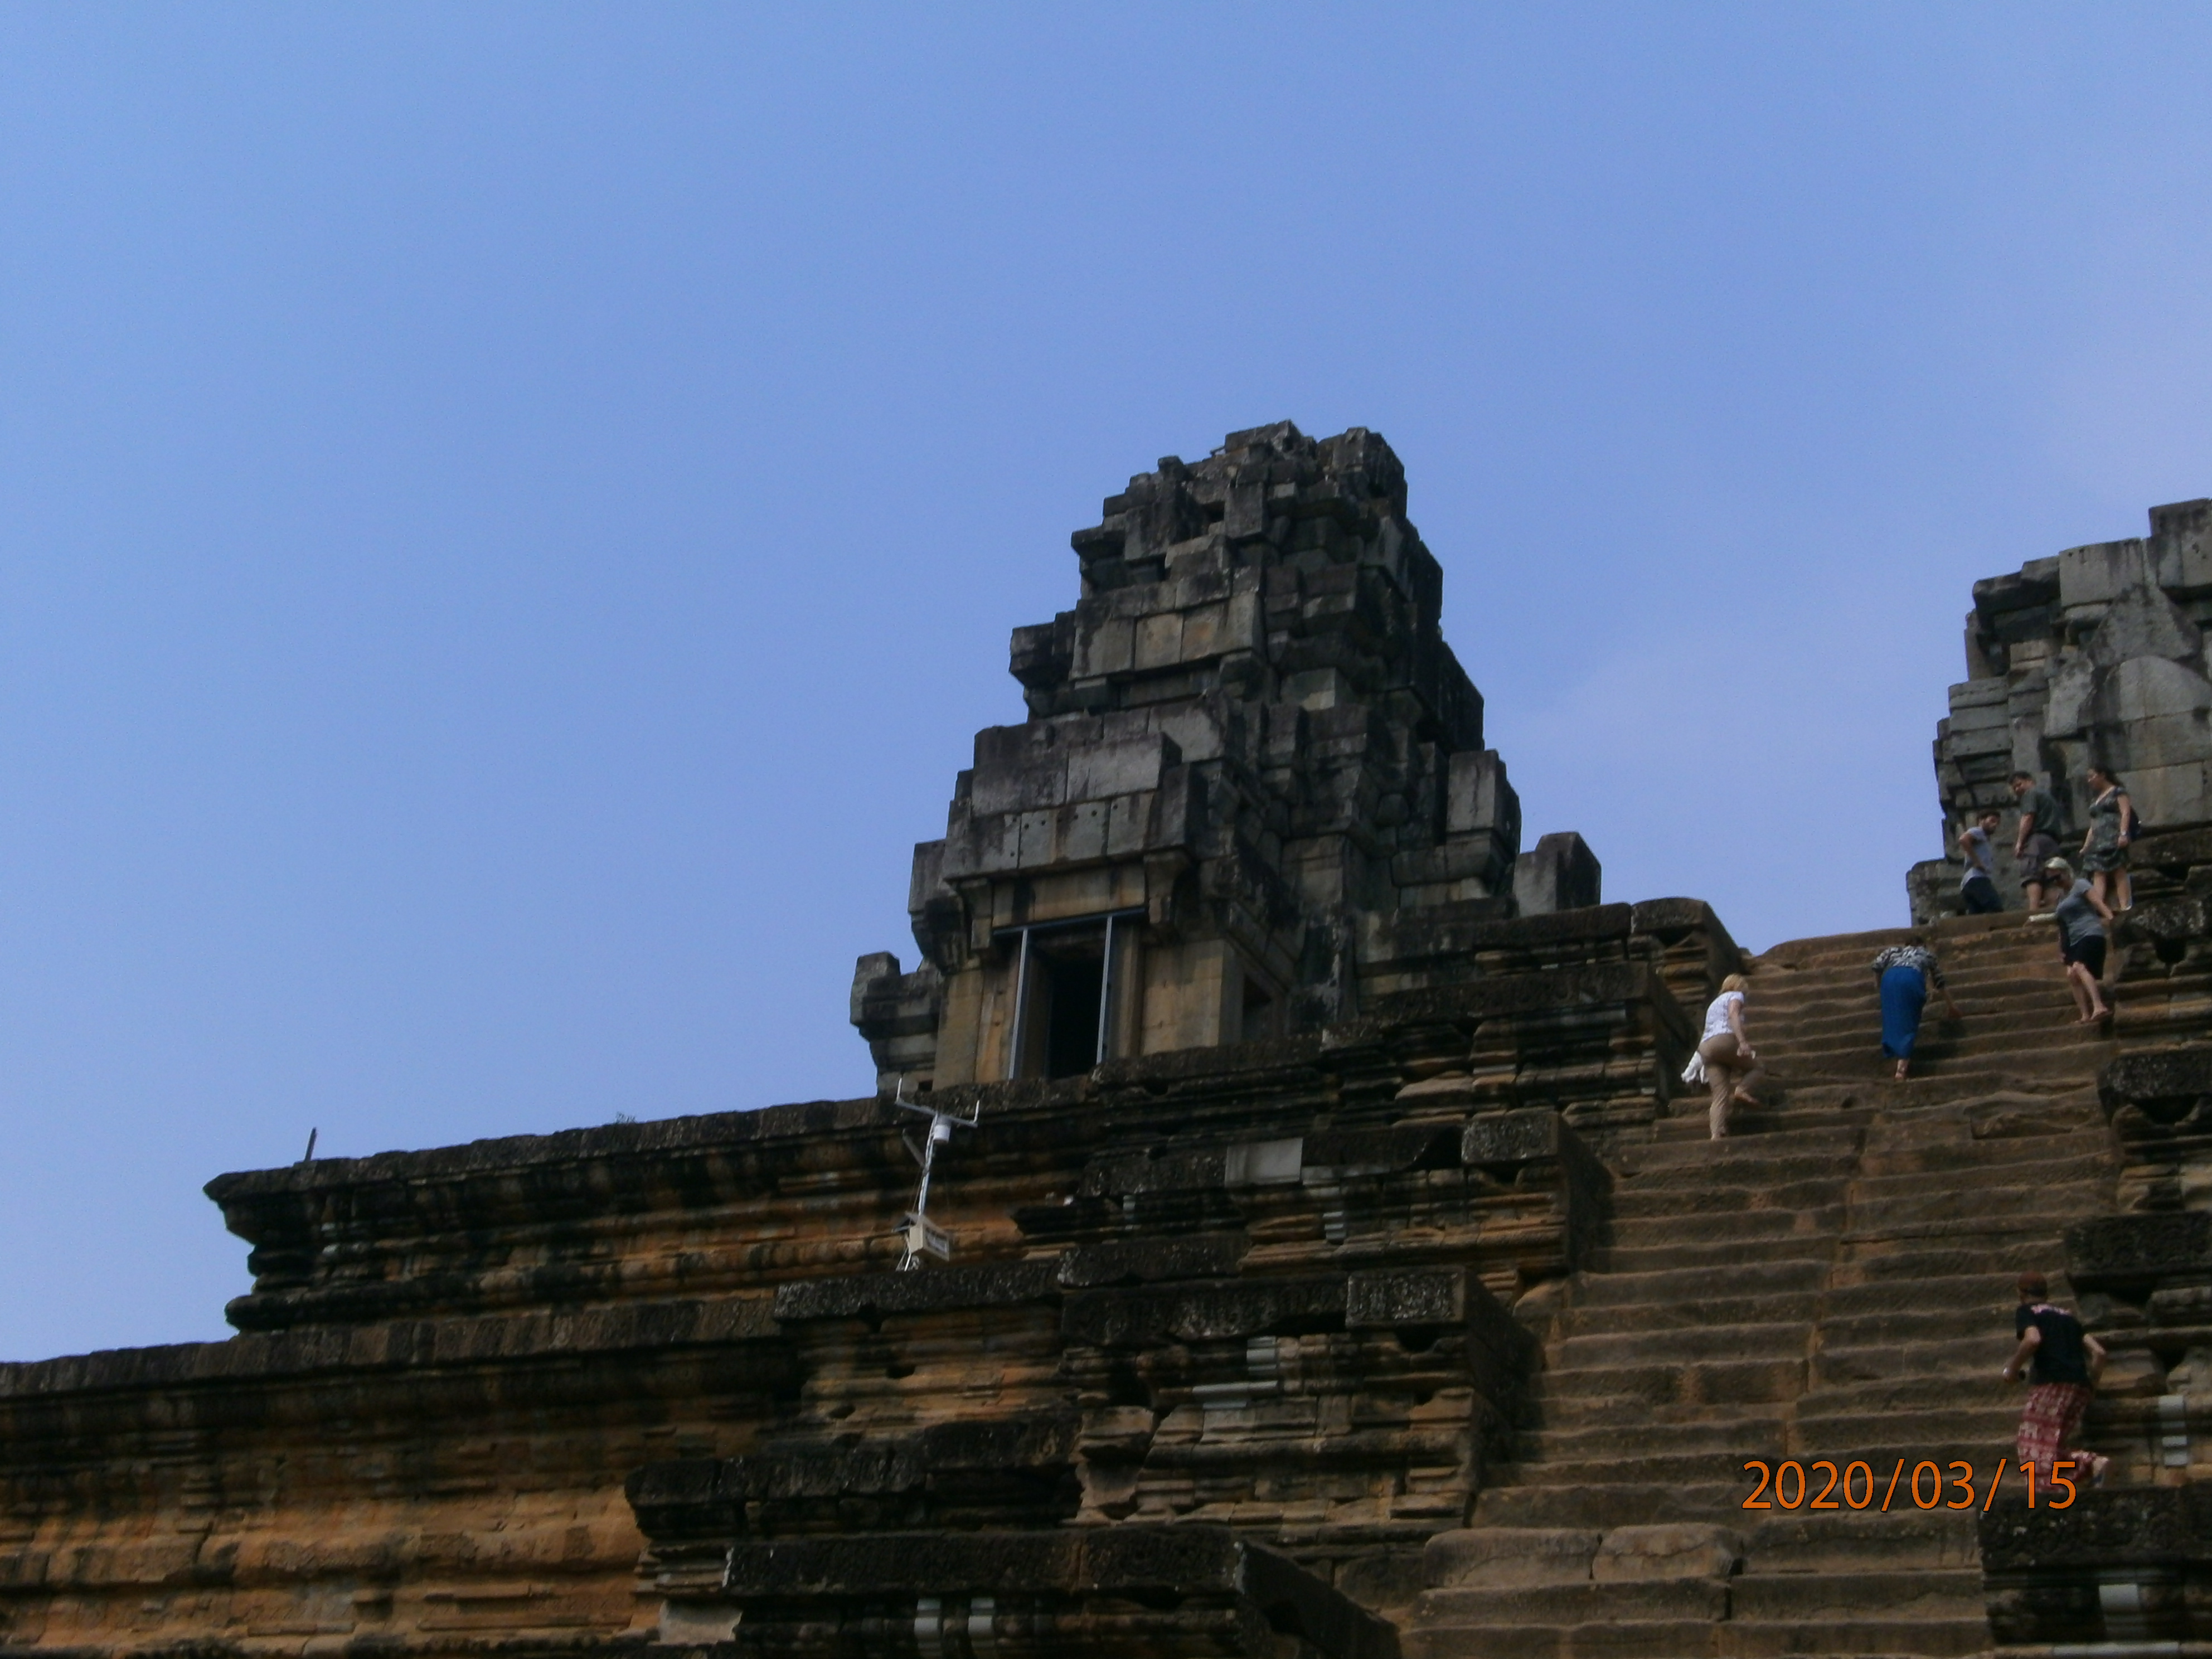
2066 1361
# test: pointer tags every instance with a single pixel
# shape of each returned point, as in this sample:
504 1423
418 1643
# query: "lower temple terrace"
1321 1255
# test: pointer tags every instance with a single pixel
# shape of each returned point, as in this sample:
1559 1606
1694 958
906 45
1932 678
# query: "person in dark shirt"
2035 838
2062 1362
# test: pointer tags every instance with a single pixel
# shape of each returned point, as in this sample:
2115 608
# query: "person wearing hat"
2082 916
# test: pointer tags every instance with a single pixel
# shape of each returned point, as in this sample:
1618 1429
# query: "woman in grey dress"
2081 916
2104 848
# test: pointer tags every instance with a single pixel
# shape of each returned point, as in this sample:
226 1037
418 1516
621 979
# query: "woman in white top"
1731 1063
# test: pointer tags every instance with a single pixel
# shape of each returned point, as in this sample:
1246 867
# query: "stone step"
2028 953
1874 1150
2065 1045
1852 1540
2087 1177
1705 1383
1898 1638
1835 1365
1608 1506
1637 1600
1506 1558
2051 1158
1916 1329
1789 1340
1716 1256
1778 1431
1845 1597
1854 989
1807 1089
2079 1153
1871 1263
2028 1009
1899 1441
1854 1052
1969 1061
1752 1436
1868 1238
1765 1225
1850 1105
1866 1634
1995 937
1737 1161
1845 1429
1632 1200
2009 999
1799 1308
1918 1394
1821 1138
1685 1638
1981 994
1594 1291
2051 1203
1670 1391
1989 1296
2008 1005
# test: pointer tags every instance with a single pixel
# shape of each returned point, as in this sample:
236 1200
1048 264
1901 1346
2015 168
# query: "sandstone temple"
1279 1228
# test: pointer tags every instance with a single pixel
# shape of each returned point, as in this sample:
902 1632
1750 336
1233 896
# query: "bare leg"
1902 1066
1741 1095
2087 994
1723 1074
2100 887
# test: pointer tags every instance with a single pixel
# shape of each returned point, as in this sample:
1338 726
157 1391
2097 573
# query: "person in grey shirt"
2082 916
1977 888
2035 838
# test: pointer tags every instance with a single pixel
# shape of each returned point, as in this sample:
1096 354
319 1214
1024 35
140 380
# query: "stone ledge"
1016 1469
403 1345
929 1290
800 1119
2134 1252
1175 1575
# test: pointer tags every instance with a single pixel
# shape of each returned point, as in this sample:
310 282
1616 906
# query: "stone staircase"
1833 1281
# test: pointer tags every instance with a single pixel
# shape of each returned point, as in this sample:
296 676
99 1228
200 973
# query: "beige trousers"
1729 1075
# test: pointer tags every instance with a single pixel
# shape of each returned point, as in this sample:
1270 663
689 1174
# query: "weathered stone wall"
1240 1315
2094 656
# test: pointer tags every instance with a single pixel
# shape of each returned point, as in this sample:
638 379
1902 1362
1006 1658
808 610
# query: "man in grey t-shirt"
2035 839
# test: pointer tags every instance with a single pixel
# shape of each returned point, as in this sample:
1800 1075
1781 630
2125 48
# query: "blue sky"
509 516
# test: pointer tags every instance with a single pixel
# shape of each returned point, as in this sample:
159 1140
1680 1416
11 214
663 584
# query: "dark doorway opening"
1074 984
1068 975
1259 1012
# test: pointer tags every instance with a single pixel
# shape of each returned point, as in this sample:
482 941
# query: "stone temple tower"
1251 789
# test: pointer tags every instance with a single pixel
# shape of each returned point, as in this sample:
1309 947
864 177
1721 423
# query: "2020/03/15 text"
1790 1486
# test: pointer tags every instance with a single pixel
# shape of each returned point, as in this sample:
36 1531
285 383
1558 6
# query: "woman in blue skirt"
1905 972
